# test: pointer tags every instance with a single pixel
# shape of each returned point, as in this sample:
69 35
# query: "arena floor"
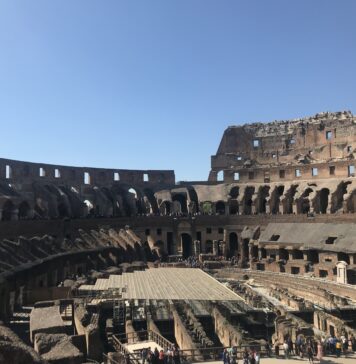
165 284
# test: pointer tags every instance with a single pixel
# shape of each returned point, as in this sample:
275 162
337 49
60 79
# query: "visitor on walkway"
320 352
286 350
310 353
338 347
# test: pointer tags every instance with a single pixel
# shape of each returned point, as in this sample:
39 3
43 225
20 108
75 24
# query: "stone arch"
90 208
136 206
337 197
276 199
247 199
24 211
234 192
321 201
220 176
233 244
351 202
165 208
8 210
262 196
233 207
207 207
303 204
220 207
193 197
288 200
152 200
41 208
182 199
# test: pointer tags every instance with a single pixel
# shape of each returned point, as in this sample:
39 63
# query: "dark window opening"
282 173
147 232
332 170
274 237
330 240
251 175
159 231
208 230
329 135
221 230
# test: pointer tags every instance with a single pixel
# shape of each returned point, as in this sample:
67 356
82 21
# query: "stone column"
215 247
197 247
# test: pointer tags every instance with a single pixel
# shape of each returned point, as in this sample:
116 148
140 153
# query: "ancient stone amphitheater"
89 257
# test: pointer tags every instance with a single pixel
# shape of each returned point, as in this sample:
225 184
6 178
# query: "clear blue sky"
153 84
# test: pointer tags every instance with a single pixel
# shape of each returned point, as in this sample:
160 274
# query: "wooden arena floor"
166 283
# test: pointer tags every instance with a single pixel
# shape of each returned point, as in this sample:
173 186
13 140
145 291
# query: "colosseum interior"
96 264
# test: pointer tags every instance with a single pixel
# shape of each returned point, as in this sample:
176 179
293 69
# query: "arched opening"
220 208
137 205
220 176
234 192
276 198
233 207
304 202
193 197
209 247
289 199
322 201
63 210
24 210
351 202
248 200
233 245
7 210
207 208
89 208
165 208
152 200
182 199
245 250
186 241
283 254
263 193
337 197
341 256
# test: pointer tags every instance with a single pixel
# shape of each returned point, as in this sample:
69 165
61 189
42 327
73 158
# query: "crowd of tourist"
170 356
230 356
316 349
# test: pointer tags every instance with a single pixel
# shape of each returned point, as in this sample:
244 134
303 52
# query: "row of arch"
51 201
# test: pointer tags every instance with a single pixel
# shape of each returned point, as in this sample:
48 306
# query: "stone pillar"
197 248
341 272
215 247
241 207
294 207
224 248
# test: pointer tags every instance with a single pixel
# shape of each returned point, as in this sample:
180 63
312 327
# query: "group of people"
230 356
312 349
170 356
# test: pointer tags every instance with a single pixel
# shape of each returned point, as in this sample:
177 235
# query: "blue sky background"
153 84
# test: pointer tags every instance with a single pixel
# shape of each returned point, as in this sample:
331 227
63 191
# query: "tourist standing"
320 351
286 350
310 353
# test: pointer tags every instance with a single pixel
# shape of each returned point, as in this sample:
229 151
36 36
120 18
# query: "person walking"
310 354
286 350
320 352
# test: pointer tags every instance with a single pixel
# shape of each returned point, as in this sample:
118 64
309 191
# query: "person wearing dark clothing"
310 354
